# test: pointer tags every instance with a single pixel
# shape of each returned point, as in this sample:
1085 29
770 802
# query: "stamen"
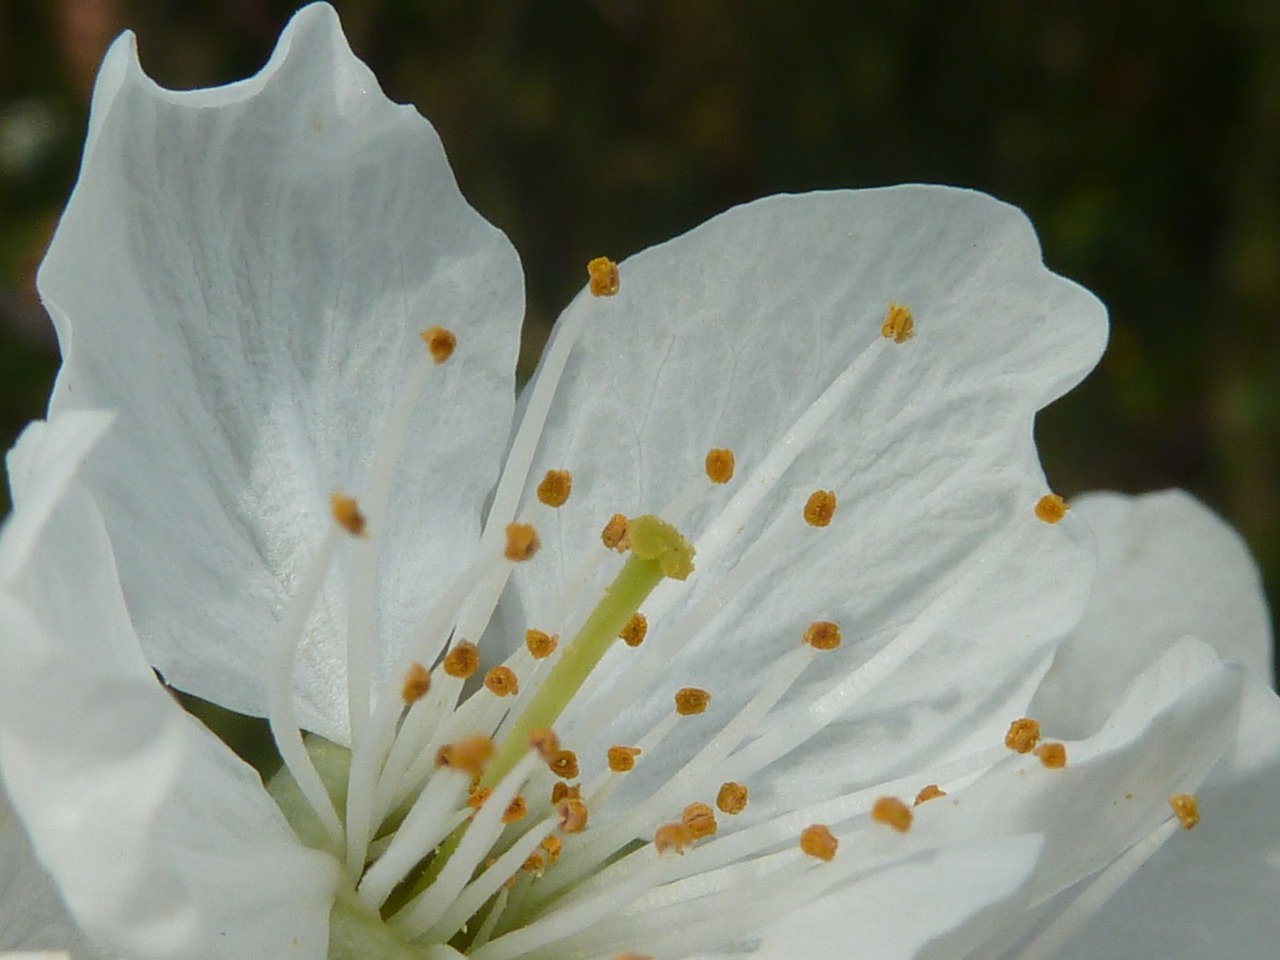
927 793
732 798
623 759
1023 734
552 846
634 632
502 682
522 542
1186 808
573 814
1052 755
818 842
691 701
604 277
463 660
561 791
564 764
899 326
672 836
719 465
822 635
469 755
440 343
417 682
540 645
554 489
516 810
614 534
1051 508
347 513
892 812
700 820
820 508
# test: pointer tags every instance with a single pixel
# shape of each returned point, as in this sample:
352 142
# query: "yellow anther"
516 810
478 796
899 326
892 812
346 513
1186 808
573 815
502 682
720 465
1051 508
470 754
700 820
522 542
541 645
463 660
822 635
417 681
652 538
552 846
691 700
554 489
614 534
562 790
604 277
533 864
1052 754
633 633
672 836
732 798
564 764
440 342
817 841
1023 734
622 759
545 742
820 508
930 792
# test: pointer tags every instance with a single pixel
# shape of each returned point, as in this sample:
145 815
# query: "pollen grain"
555 487
927 793
417 681
1052 754
691 701
622 759
522 542
700 820
1186 808
604 277
440 343
1051 508
1023 735
502 682
817 841
463 660
820 508
822 635
899 325
719 465
541 645
633 633
732 798
892 812
346 512
614 534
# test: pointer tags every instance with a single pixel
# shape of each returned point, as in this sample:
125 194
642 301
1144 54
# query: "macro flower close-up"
750 624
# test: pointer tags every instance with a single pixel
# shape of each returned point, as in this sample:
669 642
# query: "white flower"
241 279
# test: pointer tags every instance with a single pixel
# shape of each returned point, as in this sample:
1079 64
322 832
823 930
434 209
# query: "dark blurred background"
1142 137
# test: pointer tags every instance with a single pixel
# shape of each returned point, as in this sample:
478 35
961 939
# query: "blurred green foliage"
1142 138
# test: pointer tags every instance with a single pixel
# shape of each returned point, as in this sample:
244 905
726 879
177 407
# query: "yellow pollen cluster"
1051 508
899 326
573 815
672 836
614 534
541 645
691 701
463 660
502 682
562 791
700 820
732 798
533 864
1186 808
892 812
477 798
1053 755
822 635
516 810
1023 734
440 343
522 542
604 277
634 632
719 465
552 846
346 513
820 508
930 792
417 681
469 754
818 842
554 489
564 764
622 759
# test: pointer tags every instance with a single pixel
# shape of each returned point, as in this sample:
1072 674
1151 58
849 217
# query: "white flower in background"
867 585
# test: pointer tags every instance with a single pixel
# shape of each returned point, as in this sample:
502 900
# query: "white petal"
32 914
241 275
1167 567
735 333
161 841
